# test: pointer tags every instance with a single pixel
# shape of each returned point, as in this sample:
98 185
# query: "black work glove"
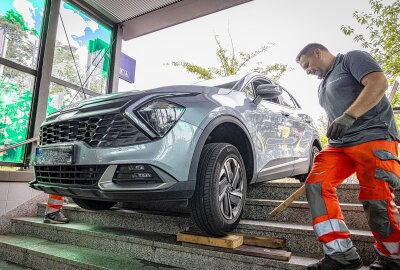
339 126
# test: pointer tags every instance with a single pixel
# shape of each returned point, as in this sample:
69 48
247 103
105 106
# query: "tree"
232 62
20 48
382 39
383 35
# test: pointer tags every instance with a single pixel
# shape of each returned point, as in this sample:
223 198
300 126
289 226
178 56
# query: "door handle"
286 114
305 118
308 121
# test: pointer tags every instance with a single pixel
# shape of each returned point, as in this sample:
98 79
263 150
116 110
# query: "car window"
287 100
274 100
248 90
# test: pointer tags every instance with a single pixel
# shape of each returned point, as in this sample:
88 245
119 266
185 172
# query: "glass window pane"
15 104
20 28
61 96
287 100
87 60
249 91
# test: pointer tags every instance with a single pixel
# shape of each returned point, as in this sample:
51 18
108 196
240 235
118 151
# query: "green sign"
98 48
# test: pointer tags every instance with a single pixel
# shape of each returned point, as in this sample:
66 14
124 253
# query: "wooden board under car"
230 241
263 241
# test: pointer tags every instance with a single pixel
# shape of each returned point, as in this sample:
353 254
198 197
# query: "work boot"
328 263
385 263
55 217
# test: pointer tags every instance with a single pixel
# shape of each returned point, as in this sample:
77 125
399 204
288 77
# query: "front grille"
108 130
83 175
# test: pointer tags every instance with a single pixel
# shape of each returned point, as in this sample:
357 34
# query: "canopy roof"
140 17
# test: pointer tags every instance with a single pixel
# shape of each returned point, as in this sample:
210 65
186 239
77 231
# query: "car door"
274 158
300 137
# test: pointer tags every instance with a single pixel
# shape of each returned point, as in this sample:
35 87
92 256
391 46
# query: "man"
363 138
53 210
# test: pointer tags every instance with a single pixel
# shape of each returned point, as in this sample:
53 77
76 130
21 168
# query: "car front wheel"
93 204
219 198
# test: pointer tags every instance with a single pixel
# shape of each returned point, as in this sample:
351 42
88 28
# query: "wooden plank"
285 204
393 90
229 241
264 241
267 253
274 254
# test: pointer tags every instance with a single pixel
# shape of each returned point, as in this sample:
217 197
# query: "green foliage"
383 38
15 93
322 127
201 73
231 62
19 48
16 19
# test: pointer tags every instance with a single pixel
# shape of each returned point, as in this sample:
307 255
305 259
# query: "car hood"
119 100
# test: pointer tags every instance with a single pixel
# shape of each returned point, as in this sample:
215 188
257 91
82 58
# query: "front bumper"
121 193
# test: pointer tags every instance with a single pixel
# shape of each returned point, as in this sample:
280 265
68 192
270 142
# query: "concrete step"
151 221
11 266
299 213
156 247
41 254
347 193
300 238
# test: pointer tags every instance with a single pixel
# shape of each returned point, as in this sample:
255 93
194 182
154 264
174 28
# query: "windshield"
222 82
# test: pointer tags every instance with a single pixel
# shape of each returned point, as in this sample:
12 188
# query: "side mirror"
267 91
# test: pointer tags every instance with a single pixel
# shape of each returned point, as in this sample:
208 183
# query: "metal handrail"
19 144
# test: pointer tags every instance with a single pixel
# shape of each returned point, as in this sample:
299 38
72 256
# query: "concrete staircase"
140 239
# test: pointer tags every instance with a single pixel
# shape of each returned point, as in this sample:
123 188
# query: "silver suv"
200 143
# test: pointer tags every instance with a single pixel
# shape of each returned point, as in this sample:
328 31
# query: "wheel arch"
317 142
231 130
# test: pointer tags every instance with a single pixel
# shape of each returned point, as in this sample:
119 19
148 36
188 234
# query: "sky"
289 24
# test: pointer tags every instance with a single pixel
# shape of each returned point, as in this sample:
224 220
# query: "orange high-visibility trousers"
378 171
54 203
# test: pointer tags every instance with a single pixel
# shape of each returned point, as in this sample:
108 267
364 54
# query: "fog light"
136 167
136 173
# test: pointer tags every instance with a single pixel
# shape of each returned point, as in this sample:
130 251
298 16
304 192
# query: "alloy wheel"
230 195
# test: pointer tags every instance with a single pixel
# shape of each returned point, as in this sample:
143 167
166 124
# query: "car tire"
220 195
93 205
314 151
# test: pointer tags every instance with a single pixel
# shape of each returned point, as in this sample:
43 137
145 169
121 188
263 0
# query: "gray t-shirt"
340 88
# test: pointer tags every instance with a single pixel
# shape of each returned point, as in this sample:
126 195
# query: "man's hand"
339 126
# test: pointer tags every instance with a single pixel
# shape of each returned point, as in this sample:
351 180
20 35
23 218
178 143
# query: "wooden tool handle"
288 201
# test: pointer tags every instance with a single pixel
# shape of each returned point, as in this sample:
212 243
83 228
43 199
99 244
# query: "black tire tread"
209 155
203 196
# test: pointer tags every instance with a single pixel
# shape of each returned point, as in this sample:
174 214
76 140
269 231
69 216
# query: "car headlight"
161 115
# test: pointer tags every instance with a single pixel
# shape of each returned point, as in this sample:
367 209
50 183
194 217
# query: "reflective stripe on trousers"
378 171
54 203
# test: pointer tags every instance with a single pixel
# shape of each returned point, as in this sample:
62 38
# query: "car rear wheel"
219 198
314 151
93 205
